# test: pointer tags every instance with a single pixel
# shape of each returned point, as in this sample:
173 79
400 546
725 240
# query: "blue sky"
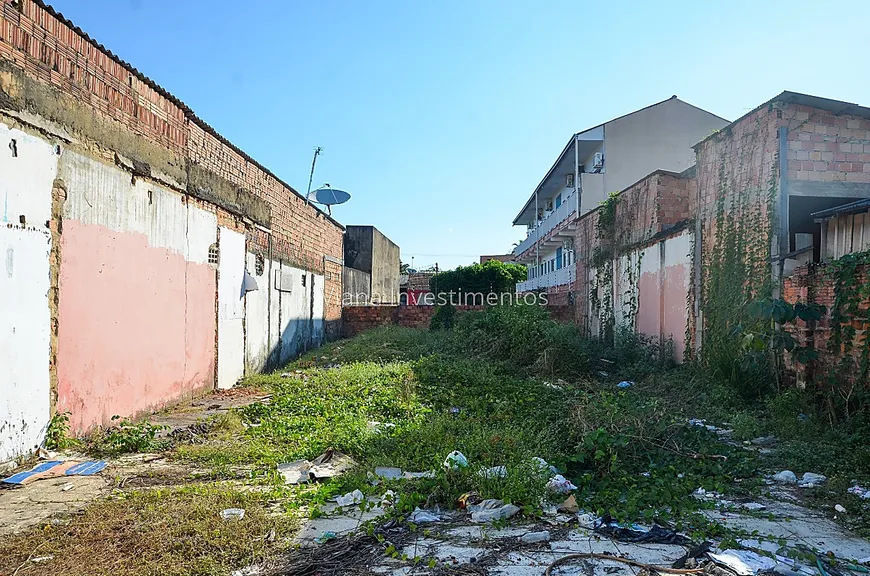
440 118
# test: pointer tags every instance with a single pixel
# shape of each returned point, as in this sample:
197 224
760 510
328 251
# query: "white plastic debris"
388 499
625 384
455 460
414 475
811 480
743 562
753 506
558 484
351 498
295 472
786 477
233 514
329 464
535 537
491 510
586 520
494 472
859 491
388 473
67 487
41 559
840 509
544 466
419 516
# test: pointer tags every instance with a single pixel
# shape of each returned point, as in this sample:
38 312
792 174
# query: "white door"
231 308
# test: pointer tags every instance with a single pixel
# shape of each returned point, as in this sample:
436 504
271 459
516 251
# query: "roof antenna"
317 151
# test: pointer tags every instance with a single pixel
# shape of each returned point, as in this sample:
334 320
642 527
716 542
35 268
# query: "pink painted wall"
675 316
648 311
136 325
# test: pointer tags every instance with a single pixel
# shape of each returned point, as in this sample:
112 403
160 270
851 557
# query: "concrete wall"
122 236
656 138
385 269
359 247
367 250
136 313
281 319
357 286
231 307
26 178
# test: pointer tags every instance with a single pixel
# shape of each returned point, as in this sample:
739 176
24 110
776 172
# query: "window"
213 254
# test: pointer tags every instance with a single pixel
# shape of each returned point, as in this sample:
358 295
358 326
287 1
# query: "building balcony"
568 209
558 277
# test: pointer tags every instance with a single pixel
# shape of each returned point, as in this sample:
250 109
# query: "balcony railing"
553 219
555 278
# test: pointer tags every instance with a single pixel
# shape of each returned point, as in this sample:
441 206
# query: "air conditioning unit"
598 160
569 181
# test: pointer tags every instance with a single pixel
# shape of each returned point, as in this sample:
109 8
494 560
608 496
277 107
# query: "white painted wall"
25 340
26 180
257 343
659 137
231 308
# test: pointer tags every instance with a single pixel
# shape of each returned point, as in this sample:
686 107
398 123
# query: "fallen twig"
636 564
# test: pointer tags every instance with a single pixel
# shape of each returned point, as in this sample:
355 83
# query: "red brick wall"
814 284
825 147
358 319
50 49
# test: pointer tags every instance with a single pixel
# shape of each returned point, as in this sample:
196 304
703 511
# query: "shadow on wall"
284 317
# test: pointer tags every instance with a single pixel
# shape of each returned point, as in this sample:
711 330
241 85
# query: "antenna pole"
317 151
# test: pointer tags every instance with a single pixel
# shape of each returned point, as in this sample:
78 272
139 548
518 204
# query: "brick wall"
825 147
813 283
51 50
358 319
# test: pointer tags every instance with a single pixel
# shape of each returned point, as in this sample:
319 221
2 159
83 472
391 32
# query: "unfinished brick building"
147 257
677 254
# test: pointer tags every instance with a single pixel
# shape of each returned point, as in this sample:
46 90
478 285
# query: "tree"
403 267
493 277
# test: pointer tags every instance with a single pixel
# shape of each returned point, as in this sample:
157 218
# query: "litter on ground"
55 468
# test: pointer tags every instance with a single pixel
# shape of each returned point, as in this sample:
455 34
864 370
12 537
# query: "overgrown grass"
168 532
502 387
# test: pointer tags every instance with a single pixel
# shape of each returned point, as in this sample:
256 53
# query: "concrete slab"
341 521
37 503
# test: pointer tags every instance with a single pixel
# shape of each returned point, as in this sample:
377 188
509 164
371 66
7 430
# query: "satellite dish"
328 196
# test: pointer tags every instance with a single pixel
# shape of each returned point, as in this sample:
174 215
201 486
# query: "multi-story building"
594 163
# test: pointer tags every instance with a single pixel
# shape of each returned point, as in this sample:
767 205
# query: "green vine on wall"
851 294
736 268
602 261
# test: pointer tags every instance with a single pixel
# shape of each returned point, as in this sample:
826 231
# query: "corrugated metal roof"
850 208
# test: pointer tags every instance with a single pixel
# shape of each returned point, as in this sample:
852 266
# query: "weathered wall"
28 167
231 307
385 269
638 269
359 247
817 283
283 317
144 185
357 286
136 312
